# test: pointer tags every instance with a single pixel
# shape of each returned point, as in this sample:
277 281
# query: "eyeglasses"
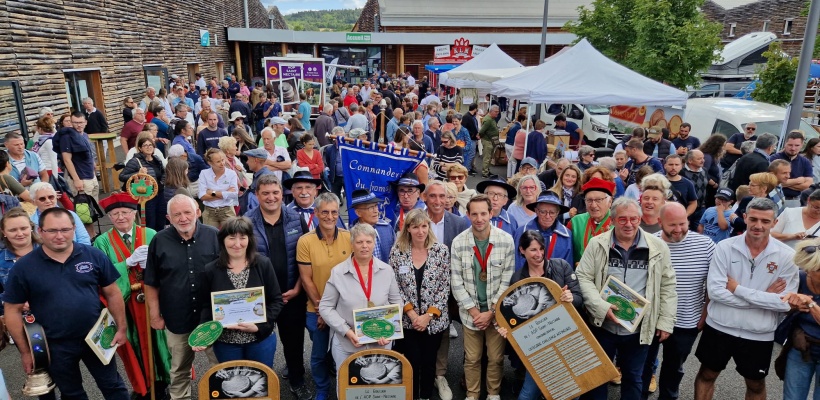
147 145
49 198
497 195
630 220
598 201
546 212
405 192
528 188
327 213
120 214
589 154
445 142
811 249
457 177
751 128
63 231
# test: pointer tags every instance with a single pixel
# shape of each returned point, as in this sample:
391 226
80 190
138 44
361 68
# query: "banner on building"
459 52
368 167
204 38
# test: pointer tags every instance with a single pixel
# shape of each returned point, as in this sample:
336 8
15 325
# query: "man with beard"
126 245
732 145
745 308
500 194
278 230
637 159
408 190
483 261
685 142
583 227
691 268
694 172
801 175
558 240
366 207
176 258
304 190
655 145
641 261
683 188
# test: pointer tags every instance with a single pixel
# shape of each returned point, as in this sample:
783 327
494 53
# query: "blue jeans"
318 354
530 390
676 348
799 375
262 351
65 371
631 358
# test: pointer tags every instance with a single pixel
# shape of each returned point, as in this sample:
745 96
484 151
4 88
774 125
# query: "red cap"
599 185
118 200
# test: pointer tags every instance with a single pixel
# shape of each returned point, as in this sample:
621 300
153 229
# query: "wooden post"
382 116
284 49
400 61
238 60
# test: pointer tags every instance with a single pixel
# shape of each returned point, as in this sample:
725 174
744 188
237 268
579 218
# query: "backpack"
87 208
727 175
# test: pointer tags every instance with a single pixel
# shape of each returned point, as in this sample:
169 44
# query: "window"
156 77
220 71
787 26
82 84
724 128
765 26
11 109
732 27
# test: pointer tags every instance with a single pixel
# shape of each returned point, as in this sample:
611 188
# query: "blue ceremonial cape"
375 170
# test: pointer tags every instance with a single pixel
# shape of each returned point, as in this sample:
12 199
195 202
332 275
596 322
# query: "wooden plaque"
242 379
552 340
376 374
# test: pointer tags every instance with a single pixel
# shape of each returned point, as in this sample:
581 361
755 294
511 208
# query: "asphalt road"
729 386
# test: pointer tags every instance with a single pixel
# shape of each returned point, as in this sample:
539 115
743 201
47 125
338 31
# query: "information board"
376 374
552 340
242 379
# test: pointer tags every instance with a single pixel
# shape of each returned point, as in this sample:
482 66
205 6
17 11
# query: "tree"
776 76
667 40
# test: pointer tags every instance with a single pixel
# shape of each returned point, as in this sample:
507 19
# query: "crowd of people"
257 204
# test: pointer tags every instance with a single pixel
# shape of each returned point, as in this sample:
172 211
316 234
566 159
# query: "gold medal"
483 276
370 304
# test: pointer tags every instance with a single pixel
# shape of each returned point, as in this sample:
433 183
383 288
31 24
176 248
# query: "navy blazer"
453 225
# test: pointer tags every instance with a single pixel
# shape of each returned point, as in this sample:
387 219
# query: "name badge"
404 269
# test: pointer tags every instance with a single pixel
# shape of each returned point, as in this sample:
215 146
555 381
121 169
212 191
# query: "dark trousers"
337 185
676 349
292 334
66 355
421 350
694 219
631 359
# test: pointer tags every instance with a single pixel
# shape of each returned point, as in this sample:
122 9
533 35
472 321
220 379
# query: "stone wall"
41 39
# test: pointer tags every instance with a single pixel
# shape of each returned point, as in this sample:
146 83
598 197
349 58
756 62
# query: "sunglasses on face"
49 198
751 128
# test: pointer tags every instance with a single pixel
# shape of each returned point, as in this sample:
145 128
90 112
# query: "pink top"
520 141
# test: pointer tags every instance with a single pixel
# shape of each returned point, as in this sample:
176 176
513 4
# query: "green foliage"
805 13
667 40
326 20
776 76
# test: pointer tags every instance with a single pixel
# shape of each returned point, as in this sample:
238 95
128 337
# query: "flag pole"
381 145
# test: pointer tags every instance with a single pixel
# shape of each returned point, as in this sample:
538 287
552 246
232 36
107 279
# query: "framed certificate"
230 307
376 323
631 305
100 336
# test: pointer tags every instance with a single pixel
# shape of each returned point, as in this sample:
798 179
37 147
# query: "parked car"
717 89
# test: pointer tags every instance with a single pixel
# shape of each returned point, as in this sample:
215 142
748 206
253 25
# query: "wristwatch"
812 304
431 315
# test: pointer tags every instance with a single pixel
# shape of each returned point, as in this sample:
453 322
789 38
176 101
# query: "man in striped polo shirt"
691 253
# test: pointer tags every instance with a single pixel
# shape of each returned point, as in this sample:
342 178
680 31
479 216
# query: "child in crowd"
741 192
715 222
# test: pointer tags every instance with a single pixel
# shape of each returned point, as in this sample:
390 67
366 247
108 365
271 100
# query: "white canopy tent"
583 75
491 58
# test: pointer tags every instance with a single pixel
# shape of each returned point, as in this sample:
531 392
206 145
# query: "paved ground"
729 386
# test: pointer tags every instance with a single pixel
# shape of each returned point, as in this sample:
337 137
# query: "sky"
292 6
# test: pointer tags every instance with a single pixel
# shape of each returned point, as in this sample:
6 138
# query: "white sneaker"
493 397
443 387
453 331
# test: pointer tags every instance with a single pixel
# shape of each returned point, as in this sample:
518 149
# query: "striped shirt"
691 258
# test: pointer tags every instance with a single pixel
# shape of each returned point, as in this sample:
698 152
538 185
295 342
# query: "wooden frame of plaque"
552 340
242 379
376 374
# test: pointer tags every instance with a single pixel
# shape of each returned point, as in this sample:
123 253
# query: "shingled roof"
278 20
366 19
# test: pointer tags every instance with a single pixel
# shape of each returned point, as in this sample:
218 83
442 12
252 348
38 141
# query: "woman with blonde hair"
568 189
450 203
458 175
228 146
802 350
760 185
528 188
422 267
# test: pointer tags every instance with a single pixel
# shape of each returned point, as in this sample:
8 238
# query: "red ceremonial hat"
599 185
118 200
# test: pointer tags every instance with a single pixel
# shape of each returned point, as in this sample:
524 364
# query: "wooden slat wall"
41 38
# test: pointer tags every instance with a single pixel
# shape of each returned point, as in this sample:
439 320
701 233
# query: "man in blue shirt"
304 112
62 282
684 142
181 98
209 137
393 125
801 176
576 135
637 159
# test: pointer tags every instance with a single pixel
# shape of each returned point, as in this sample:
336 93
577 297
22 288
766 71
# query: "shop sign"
357 38
459 52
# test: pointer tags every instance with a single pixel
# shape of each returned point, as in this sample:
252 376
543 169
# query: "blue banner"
375 170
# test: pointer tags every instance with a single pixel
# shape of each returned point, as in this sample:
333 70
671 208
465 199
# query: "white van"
729 116
592 119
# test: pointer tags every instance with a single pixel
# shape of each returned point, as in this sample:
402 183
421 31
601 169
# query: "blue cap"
278 120
548 197
530 161
256 153
362 196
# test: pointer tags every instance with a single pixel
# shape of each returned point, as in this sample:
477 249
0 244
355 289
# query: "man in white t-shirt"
278 157
410 80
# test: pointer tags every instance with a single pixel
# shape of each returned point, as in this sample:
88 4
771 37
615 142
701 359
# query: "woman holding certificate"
241 292
422 268
360 282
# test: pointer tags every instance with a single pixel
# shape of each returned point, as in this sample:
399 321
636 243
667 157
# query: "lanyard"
366 289
401 218
553 239
483 261
499 222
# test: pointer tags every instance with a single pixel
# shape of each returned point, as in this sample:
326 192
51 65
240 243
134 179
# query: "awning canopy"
583 75
439 68
491 58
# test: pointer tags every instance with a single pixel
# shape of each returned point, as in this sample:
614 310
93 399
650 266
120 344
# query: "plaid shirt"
500 269
778 198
